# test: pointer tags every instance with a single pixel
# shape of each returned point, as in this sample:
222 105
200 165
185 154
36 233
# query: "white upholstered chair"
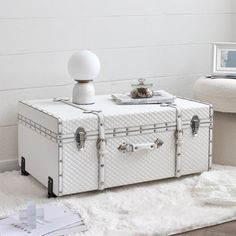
221 93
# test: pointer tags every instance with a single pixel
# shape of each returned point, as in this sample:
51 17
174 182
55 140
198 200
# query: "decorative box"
73 149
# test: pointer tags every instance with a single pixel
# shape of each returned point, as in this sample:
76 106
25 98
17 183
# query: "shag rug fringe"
157 208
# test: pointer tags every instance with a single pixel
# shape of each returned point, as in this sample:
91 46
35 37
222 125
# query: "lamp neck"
83 81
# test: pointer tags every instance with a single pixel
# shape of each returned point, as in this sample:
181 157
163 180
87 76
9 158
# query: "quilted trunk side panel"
80 168
195 151
166 115
90 122
140 166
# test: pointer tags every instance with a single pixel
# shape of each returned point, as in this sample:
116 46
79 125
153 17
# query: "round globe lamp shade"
84 66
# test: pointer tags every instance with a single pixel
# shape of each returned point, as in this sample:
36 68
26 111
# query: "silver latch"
195 123
80 136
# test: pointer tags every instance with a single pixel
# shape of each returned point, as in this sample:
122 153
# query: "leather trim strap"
178 138
101 144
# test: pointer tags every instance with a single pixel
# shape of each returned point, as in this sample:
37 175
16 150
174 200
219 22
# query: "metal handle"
127 147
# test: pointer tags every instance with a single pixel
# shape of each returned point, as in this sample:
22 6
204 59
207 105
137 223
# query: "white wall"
166 41
234 20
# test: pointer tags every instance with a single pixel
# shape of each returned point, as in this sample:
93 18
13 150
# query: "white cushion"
220 92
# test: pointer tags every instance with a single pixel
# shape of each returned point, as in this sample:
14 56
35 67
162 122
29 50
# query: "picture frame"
224 59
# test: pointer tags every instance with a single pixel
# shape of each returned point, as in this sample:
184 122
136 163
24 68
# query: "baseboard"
8 165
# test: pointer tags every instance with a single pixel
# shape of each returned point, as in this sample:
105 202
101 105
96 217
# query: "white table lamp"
84 67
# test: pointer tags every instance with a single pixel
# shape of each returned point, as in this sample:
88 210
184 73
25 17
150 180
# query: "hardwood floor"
226 229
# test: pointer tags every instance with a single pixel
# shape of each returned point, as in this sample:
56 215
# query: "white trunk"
137 143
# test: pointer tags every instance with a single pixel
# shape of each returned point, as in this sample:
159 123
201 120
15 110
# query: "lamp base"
83 93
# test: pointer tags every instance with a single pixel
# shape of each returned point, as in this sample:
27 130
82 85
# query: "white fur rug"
157 208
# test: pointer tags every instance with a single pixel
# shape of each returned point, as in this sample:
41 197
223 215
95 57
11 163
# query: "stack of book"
56 221
159 97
